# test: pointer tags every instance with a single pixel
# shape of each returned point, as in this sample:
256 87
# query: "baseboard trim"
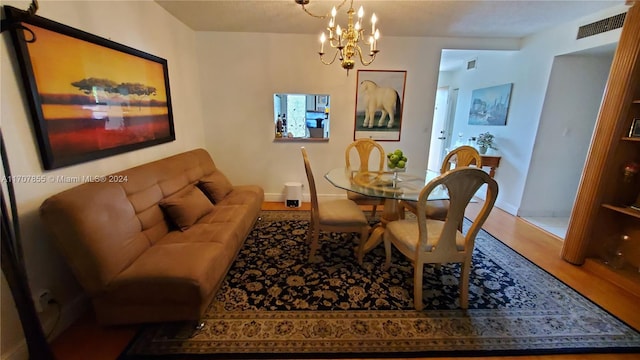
69 313
278 197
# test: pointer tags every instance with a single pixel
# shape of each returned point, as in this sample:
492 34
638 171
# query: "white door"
439 130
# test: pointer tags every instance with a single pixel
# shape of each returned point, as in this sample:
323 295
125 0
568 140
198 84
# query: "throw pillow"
216 186
186 209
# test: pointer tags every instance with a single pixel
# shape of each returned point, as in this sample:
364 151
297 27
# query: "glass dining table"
392 186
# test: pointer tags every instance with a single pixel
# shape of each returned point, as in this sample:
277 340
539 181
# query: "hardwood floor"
86 340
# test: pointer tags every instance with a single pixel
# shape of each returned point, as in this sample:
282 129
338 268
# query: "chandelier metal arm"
335 55
372 56
302 3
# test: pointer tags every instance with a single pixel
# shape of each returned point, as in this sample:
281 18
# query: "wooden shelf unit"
623 210
627 277
601 214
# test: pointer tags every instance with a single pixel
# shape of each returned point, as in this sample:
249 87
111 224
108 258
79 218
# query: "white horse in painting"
377 98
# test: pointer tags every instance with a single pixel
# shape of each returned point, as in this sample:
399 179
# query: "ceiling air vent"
472 64
600 26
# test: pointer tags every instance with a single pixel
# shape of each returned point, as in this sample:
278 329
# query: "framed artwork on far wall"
89 97
490 105
379 104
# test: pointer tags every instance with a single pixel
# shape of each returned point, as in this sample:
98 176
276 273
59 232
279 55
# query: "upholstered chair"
460 156
365 150
336 215
426 241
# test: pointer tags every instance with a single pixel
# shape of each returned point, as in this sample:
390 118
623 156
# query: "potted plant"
485 141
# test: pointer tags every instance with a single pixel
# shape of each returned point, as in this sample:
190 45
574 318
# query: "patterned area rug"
275 304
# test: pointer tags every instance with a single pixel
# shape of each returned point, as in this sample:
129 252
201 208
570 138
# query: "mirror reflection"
301 116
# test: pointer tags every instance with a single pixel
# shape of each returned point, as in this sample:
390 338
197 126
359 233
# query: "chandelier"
347 41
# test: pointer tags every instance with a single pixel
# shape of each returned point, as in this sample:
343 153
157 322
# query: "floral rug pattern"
275 302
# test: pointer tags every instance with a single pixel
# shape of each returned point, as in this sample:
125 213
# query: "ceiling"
434 18
446 18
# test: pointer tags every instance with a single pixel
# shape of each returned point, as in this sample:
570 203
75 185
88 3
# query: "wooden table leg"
492 171
390 213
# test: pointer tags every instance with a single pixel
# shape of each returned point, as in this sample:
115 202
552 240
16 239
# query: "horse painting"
376 98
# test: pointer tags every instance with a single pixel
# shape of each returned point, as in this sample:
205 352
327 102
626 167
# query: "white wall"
241 71
568 118
497 68
142 25
540 51
529 70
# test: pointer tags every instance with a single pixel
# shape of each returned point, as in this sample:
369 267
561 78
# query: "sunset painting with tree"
95 98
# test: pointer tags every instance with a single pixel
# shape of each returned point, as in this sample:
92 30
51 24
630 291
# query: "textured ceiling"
450 18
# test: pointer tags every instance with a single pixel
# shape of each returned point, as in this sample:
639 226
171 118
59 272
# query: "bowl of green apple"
396 161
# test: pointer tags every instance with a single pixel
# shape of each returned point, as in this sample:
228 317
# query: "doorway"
440 130
562 137
570 109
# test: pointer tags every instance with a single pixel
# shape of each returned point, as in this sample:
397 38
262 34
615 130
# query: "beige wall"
142 25
240 72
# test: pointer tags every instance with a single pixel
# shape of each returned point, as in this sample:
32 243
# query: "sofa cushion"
184 273
216 186
186 208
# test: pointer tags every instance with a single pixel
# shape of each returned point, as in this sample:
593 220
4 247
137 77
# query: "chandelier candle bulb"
376 36
347 40
374 19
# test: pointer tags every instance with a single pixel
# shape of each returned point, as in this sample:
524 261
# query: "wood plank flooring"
87 340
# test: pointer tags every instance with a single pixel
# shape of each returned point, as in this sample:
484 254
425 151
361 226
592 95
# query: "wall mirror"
301 117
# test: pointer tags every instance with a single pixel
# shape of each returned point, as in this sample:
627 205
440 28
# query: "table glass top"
385 184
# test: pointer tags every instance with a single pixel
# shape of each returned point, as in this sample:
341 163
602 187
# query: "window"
301 116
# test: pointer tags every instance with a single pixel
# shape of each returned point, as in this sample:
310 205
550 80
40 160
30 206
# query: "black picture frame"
634 131
105 99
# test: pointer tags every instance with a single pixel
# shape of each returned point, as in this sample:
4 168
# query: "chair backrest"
365 147
312 183
462 184
461 156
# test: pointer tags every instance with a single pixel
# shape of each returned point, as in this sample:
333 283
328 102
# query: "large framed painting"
490 105
90 97
379 103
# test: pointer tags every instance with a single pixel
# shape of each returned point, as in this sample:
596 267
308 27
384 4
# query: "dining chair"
461 156
365 148
336 215
426 241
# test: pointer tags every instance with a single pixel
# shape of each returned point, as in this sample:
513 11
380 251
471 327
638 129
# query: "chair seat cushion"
340 212
436 209
406 234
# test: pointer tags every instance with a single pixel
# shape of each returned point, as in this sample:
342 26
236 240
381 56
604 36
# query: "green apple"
401 164
391 165
394 158
404 158
398 152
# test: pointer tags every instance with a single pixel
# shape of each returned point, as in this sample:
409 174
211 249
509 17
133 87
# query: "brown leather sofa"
144 244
